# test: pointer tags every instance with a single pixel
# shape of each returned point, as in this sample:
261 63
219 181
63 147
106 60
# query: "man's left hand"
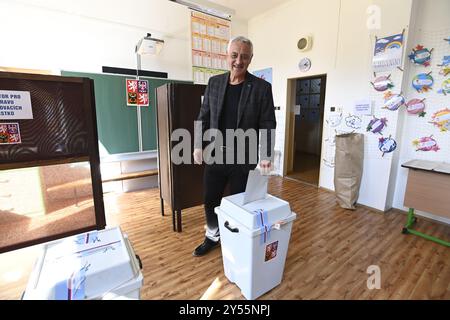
265 166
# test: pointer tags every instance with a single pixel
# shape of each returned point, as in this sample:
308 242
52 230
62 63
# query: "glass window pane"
304 87
314 100
304 101
315 85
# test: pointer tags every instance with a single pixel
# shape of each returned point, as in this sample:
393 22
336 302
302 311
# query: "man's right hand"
198 156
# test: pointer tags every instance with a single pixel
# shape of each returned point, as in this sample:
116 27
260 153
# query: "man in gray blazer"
234 100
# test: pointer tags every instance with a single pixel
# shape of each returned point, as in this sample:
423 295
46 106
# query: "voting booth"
96 265
254 232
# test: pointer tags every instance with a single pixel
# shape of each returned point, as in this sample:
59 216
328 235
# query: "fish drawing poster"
137 93
265 74
10 133
388 53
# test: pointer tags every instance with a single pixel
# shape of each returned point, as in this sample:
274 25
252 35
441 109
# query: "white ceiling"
151 15
247 9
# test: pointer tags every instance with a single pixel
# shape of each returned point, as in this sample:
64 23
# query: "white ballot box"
254 239
92 265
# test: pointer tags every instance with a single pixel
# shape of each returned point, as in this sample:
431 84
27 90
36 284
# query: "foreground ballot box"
92 265
254 239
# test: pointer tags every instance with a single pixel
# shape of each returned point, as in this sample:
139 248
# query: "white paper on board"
363 108
15 105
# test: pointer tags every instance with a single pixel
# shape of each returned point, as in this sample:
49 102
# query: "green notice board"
117 122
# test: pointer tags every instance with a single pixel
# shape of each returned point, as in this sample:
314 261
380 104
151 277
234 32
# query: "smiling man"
239 106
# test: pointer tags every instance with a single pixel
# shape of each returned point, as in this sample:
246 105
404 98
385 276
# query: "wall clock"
304 64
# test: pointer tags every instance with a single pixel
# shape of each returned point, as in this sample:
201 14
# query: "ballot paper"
256 188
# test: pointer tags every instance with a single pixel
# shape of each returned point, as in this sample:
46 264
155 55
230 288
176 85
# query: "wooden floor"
329 252
306 168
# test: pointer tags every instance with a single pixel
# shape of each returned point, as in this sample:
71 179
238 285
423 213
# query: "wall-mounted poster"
441 119
445 66
445 87
334 120
416 106
137 92
421 56
388 53
363 107
387 145
377 125
423 82
353 121
426 144
382 83
393 101
9 133
265 74
209 37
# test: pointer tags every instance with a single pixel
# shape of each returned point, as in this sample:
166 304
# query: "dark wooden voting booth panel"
56 164
181 185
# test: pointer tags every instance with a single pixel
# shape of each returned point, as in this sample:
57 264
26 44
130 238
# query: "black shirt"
228 117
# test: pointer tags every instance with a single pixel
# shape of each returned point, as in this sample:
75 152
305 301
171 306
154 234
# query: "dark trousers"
215 179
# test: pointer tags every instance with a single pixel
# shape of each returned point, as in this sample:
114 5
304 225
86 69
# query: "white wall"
342 48
239 28
275 35
431 26
85 35
350 81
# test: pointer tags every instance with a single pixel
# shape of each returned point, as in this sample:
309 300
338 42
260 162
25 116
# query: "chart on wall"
209 38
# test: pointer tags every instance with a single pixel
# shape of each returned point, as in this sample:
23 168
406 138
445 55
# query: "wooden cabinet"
181 185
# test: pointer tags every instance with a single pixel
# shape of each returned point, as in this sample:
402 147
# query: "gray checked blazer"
255 109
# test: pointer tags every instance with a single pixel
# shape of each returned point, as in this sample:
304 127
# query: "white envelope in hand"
256 188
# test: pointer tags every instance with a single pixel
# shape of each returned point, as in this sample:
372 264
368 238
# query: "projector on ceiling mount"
208 7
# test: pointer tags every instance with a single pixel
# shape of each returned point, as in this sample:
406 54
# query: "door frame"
289 134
